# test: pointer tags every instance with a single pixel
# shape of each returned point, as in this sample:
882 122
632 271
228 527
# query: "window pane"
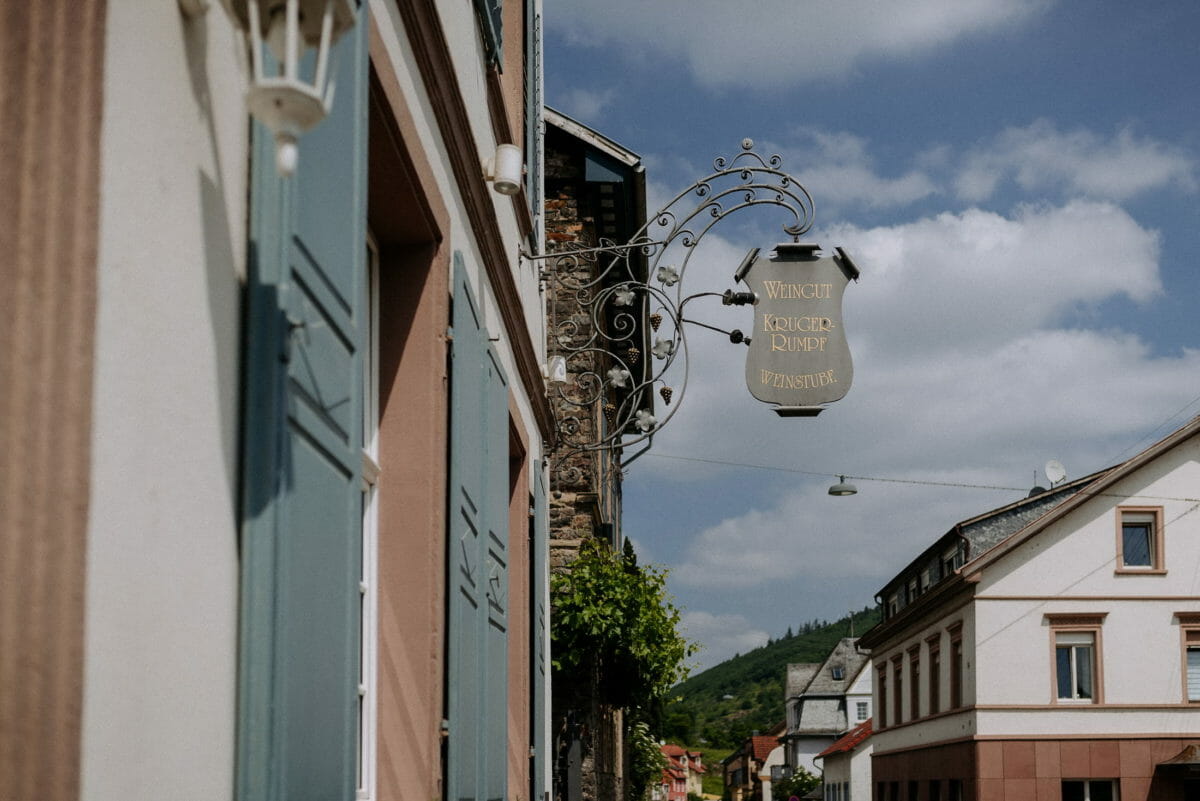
1072 791
1062 657
1135 544
1193 674
1100 791
1083 671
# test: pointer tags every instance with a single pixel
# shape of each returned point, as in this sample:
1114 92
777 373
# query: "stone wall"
585 486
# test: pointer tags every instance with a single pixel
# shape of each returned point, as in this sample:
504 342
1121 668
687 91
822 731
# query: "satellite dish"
1055 471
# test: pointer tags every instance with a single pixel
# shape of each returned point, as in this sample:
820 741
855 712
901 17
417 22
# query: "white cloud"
979 354
1040 158
722 635
838 167
770 44
585 105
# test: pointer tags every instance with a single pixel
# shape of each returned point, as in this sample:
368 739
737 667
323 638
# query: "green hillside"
723 705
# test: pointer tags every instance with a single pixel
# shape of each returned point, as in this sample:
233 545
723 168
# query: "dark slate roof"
844 656
821 703
799 674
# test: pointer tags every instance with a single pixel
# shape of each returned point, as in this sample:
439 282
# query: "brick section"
1033 770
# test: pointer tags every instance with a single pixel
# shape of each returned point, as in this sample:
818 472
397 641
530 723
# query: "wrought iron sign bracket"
616 321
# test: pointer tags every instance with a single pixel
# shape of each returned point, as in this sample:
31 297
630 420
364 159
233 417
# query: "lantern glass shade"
291 90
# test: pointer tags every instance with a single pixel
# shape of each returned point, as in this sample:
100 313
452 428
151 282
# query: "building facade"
824 702
1054 655
743 770
846 766
274 477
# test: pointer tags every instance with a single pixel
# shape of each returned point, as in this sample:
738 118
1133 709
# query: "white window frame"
861 710
1113 784
1079 647
365 781
1151 518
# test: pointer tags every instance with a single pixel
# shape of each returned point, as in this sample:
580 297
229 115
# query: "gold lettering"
800 381
774 322
782 342
783 290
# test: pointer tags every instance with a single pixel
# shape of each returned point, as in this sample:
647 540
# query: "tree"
613 622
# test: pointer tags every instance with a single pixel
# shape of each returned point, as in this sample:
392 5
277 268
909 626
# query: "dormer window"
838 672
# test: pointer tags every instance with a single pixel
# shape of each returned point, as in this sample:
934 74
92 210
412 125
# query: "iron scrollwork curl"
617 309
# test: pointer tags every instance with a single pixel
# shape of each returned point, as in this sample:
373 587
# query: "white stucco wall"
1070 568
774 759
853 767
161 620
860 691
805 749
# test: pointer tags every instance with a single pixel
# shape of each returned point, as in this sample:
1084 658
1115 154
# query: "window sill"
1140 571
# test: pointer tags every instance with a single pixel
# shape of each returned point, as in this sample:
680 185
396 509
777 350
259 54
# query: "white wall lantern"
505 169
288 102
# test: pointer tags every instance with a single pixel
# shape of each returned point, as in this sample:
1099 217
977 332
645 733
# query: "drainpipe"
966 544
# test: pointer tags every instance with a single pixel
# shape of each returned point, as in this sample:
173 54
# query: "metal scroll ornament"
617 310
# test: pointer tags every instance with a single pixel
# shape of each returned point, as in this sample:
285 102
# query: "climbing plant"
614 616
613 627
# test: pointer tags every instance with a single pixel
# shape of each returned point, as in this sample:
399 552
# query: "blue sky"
1019 181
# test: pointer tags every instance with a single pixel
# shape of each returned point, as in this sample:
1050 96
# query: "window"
1074 665
838 672
368 594
951 560
1139 539
1089 790
956 790
897 690
860 711
881 705
956 666
1190 635
914 682
935 790
1077 677
935 674
1193 665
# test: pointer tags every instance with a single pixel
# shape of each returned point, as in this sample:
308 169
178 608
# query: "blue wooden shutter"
302 461
540 686
477 662
534 108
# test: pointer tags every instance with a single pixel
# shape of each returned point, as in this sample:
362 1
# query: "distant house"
684 773
846 766
1050 649
824 702
743 769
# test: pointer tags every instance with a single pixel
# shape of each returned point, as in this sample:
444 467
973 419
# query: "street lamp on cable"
842 488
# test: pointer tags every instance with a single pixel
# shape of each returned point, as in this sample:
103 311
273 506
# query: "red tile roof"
850 740
763 745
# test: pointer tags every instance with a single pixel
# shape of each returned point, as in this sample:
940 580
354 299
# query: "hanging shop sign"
799 358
